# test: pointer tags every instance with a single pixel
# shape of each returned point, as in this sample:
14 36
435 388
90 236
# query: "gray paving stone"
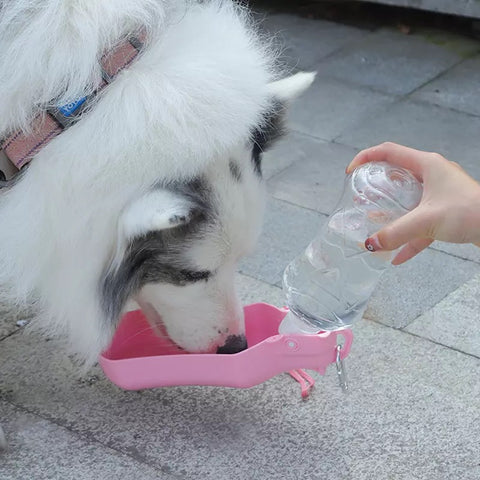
409 290
459 88
317 178
392 62
412 413
422 126
294 146
7 324
287 231
39 449
331 107
455 321
282 154
304 42
252 290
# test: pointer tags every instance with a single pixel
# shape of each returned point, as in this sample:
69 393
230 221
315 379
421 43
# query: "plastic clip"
341 372
304 379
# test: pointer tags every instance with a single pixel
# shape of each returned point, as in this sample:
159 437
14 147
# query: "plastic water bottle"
328 286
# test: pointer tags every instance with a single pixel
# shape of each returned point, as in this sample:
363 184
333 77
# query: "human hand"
449 209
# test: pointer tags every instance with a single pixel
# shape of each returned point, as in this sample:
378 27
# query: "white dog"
155 192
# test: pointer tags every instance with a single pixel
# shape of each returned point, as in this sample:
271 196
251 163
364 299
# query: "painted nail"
373 244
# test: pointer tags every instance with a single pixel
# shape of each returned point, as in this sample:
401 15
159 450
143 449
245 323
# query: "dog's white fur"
184 108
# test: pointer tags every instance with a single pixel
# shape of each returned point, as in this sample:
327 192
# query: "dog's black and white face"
180 244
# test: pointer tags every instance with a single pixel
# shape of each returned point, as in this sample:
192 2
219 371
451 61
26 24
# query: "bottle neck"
291 324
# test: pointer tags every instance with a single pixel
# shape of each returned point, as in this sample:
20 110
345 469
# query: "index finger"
399 155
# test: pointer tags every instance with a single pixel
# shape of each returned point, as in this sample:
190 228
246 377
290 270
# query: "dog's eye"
196 276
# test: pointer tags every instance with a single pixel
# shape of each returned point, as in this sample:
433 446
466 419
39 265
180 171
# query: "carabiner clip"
341 372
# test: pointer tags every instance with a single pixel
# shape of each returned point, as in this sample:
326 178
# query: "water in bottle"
328 286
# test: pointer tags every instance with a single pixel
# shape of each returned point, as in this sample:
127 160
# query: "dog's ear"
273 126
156 210
289 88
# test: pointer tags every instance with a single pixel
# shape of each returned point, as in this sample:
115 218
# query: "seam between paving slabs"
396 100
440 344
366 88
402 330
90 438
296 132
251 277
455 255
444 72
10 334
421 101
320 214
314 137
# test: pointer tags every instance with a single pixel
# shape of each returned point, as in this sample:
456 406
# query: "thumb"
415 224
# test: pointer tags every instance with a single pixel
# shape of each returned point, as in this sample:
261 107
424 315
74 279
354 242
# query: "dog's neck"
19 148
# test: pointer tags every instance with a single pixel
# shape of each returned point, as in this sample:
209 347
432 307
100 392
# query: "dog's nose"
234 344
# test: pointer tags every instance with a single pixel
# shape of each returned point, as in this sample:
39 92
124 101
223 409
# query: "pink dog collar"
20 147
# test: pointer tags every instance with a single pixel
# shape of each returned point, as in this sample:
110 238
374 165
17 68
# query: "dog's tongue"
135 337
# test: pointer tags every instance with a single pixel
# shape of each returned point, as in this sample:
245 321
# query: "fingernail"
373 244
